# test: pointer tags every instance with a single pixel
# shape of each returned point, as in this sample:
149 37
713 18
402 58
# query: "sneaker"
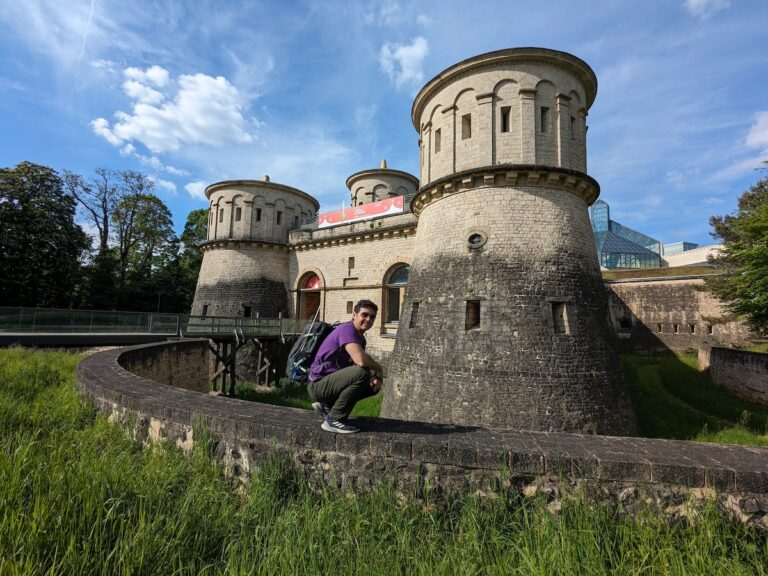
322 410
331 425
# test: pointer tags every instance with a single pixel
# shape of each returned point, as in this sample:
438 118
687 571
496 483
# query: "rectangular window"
466 126
279 217
295 221
560 320
472 319
247 311
709 328
350 307
505 119
676 328
205 309
658 327
238 214
692 328
258 214
544 119
221 214
414 315
438 140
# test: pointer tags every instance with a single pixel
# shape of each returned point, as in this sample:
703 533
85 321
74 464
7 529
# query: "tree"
744 257
99 196
41 247
195 233
145 245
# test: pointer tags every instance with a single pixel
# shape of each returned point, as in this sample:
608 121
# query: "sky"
310 92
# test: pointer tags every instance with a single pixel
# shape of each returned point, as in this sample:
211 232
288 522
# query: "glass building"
678 247
619 246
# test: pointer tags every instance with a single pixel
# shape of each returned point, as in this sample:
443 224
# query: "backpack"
305 349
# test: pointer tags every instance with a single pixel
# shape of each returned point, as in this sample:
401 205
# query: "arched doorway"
308 296
394 291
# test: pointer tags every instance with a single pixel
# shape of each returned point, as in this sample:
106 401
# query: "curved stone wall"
256 210
515 106
412 455
374 185
541 355
237 274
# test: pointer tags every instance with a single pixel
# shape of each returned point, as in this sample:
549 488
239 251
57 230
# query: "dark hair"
365 304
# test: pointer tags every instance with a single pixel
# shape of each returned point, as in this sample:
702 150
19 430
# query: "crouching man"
343 372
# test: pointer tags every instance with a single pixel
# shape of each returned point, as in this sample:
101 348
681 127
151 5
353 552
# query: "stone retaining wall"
743 373
182 364
671 475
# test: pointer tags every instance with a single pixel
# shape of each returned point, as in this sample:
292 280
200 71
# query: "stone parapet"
366 230
743 373
673 475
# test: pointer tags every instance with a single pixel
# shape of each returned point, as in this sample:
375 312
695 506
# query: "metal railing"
62 321
192 326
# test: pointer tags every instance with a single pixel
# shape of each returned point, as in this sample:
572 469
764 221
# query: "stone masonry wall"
743 373
376 250
181 364
481 94
673 476
517 367
248 210
236 274
373 185
670 314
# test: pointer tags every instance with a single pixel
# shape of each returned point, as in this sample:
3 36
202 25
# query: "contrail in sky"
85 41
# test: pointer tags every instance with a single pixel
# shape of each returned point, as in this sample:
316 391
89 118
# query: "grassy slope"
672 399
79 497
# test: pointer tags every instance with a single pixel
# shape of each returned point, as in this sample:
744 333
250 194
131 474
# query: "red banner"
363 212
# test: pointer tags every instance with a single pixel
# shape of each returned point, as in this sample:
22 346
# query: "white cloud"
403 62
155 75
712 201
165 185
384 12
196 190
141 92
675 178
703 9
758 133
101 127
194 109
104 64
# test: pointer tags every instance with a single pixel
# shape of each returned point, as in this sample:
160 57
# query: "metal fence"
60 321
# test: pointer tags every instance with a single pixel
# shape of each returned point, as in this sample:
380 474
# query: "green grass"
759 347
659 272
77 496
672 399
295 395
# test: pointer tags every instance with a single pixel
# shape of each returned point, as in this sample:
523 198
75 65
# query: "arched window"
394 291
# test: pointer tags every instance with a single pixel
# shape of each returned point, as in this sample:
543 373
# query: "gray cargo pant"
342 390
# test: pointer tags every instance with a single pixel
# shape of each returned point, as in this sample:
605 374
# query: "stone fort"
493 310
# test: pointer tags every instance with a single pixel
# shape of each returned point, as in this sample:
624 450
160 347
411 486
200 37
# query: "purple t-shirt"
332 355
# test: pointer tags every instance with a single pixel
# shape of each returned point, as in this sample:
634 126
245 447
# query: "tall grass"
77 496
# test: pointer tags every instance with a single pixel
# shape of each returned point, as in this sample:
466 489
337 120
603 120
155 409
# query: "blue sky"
310 92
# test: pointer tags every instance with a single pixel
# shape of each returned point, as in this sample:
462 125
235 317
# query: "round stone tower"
505 321
245 259
372 185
